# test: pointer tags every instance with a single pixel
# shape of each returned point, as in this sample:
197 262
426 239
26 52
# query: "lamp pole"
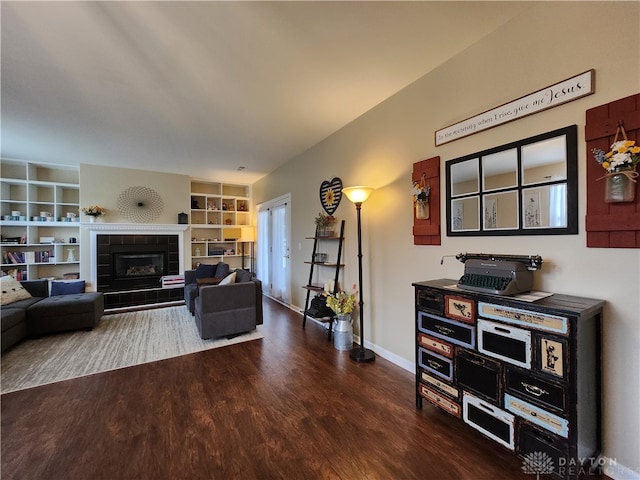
358 195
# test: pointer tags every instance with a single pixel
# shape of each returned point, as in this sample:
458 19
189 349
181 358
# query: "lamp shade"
247 234
357 194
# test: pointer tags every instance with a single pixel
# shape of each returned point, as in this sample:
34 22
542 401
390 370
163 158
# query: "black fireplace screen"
136 265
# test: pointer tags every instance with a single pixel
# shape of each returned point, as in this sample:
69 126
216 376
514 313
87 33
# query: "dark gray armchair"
225 310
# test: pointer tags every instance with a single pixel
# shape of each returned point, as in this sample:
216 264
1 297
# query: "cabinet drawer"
478 374
460 308
443 348
439 384
524 318
545 393
552 355
505 342
440 400
532 441
489 419
436 364
537 415
429 300
446 329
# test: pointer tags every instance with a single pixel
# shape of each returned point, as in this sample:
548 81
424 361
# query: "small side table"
203 282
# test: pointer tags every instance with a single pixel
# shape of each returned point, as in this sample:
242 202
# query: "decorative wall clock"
330 194
140 204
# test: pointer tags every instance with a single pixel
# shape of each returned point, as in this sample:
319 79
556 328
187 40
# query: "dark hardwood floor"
288 406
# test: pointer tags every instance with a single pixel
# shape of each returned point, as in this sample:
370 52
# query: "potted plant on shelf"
324 225
93 212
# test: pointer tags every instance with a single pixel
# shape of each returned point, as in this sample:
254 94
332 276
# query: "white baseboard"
392 357
617 471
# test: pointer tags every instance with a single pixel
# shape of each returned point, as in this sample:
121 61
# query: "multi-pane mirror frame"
527 187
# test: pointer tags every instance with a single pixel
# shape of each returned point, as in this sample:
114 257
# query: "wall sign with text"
566 91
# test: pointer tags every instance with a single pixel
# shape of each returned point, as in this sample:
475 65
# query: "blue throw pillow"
222 270
205 271
66 288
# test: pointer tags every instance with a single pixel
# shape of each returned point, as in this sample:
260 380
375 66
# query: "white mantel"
96 229
136 228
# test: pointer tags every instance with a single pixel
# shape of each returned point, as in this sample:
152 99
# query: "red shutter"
427 232
610 225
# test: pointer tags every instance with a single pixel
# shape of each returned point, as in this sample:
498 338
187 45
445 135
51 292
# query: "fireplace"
138 266
145 253
135 262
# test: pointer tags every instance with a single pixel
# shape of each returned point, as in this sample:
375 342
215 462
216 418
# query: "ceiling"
207 88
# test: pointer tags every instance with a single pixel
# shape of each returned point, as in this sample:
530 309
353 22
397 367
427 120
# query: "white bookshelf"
39 208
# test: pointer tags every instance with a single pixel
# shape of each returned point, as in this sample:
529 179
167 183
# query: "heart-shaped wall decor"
331 194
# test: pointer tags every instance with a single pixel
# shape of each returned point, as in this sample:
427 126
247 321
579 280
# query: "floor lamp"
247 235
359 195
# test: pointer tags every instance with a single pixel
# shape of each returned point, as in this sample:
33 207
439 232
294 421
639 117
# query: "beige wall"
100 185
548 43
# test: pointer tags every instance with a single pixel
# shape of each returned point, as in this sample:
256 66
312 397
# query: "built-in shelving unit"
39 208
220 223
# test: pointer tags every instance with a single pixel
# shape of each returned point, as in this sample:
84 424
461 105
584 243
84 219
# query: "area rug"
118 341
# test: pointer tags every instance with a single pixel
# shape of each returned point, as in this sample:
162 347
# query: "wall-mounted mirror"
528 187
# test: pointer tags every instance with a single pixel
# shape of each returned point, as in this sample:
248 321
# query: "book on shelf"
15 257
19 274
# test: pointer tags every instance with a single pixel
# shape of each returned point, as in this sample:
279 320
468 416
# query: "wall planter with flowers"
420 193
611 224
425 180
620 163
93 212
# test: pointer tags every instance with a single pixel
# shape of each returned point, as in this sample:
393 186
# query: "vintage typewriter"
498 274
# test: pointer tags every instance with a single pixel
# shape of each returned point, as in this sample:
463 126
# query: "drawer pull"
477 361
485 407
444 330
543 438
461 307
534 390
503 330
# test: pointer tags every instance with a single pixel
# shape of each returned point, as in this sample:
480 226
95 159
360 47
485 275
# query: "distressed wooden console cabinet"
524 374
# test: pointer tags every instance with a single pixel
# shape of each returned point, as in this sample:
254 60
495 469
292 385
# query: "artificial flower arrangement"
420 192
623 155
324 221
94 211
341 302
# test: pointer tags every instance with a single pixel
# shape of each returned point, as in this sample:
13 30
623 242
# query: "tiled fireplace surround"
162 238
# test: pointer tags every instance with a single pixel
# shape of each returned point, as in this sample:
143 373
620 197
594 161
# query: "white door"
274 260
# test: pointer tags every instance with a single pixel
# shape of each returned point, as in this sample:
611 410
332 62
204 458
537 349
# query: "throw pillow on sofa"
243 275
12 290
229 279
67 288
205 270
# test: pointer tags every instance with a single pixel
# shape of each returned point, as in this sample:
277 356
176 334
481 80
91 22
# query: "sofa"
230 308
42 312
